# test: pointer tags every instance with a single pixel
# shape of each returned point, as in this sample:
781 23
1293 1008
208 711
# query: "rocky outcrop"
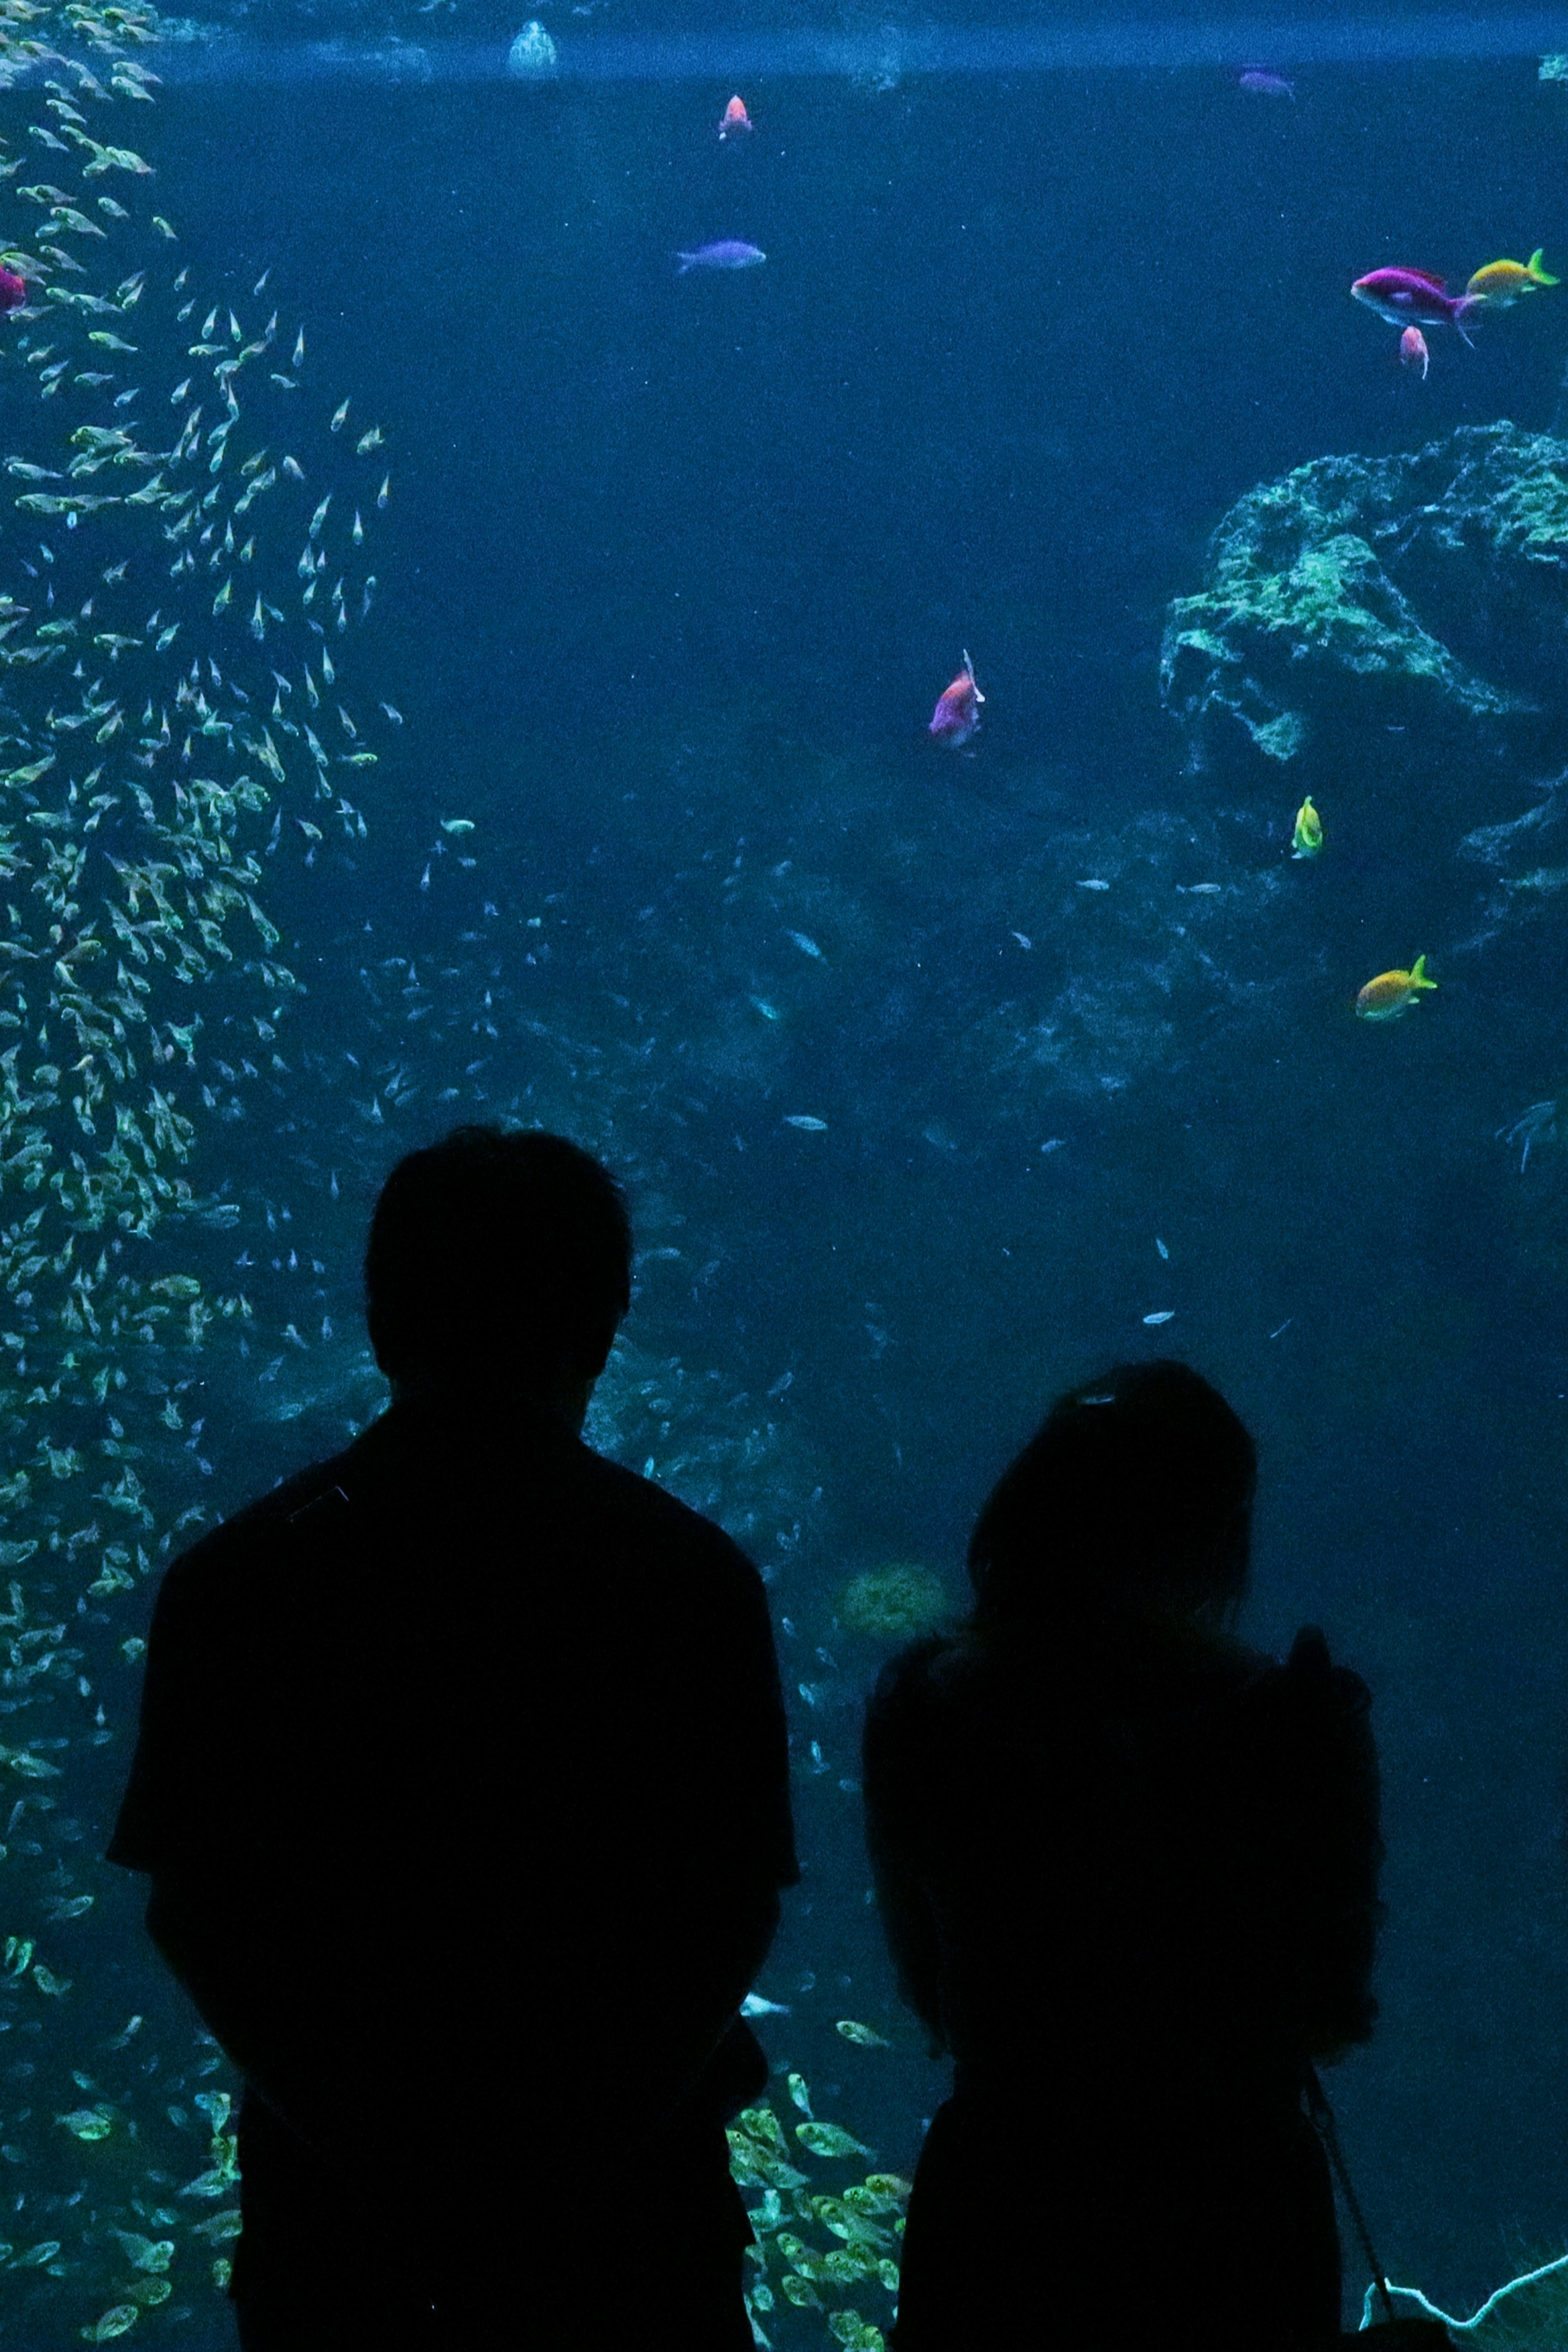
1417 602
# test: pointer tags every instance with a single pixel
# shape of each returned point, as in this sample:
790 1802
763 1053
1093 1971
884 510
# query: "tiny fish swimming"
1501 283
957 713
1307 837
735 122
1413 351
1393 993
728 253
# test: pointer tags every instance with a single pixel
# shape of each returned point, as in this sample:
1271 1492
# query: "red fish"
736 120
13 289
957 713
1406 296
1412 349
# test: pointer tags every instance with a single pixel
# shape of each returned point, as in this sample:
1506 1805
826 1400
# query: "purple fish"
727 254
1415 298
957 713
1264 82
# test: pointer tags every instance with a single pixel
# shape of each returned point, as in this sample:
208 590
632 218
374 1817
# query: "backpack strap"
1323 2124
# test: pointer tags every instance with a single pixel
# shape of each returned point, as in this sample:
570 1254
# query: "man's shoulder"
653 1519
250 1533
572 1501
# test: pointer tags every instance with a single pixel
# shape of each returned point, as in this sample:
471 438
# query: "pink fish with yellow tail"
957 713
1415 298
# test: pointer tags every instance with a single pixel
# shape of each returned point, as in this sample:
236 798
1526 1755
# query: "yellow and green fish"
1501 283
1307 837
1393 993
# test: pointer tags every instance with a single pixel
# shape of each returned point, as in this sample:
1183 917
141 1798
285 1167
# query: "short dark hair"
1138 1486
497 1252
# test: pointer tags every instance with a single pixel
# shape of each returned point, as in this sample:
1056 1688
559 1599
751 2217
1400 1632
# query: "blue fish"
727 254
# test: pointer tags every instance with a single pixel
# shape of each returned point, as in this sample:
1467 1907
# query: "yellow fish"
1502 283
1392 991
1307 837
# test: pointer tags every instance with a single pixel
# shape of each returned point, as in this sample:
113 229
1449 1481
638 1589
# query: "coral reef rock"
1389 607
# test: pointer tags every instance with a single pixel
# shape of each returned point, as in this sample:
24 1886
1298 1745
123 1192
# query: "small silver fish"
727 253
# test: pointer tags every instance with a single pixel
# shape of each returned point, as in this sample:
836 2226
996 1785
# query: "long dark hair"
1134 1495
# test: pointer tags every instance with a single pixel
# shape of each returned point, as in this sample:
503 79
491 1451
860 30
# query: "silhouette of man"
462 1785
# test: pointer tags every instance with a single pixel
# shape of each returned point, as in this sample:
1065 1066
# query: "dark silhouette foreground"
1128 1870
461 1783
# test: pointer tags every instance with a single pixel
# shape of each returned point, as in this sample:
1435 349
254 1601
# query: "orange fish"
1412 349
736 120
1392 991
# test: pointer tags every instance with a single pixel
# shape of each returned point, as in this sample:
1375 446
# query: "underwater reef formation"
897 1603
1421 596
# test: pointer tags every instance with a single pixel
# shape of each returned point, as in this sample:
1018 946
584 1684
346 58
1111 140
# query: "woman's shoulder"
1306 1721
920 1709
927 1674
1309 1679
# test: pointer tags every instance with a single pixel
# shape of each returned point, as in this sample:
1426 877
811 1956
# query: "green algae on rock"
894 1602
1424 593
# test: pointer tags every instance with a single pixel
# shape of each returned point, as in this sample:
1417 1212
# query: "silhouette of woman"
1128 1870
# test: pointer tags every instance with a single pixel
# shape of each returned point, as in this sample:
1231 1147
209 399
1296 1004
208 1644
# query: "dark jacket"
1130 1882
1162 1849
461 1783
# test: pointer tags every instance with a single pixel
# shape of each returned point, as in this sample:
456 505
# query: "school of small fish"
866 2217
186 570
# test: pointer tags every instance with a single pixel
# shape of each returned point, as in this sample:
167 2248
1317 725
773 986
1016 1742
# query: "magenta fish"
1264 82
1415 298
729 253
13 289
957 713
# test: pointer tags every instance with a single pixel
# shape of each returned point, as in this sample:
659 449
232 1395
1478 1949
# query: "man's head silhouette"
498 1260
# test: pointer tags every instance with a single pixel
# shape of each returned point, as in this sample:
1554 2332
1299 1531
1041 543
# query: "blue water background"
677 567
